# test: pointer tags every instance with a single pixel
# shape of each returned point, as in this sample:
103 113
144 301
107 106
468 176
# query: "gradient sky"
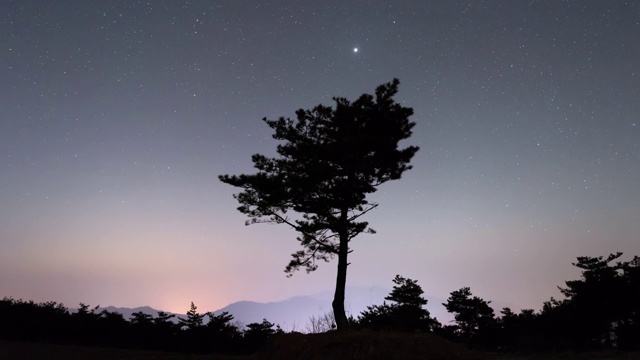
116 118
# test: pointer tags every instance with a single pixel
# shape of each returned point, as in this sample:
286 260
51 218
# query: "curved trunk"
341 278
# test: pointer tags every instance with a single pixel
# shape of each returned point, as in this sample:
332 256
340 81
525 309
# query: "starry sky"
116 118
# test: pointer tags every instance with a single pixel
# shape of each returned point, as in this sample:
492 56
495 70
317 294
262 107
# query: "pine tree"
329 161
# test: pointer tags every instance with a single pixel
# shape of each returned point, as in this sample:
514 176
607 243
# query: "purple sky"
116 117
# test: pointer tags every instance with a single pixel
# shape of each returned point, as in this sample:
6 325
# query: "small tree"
222 335
257 333
194 319
164 324
628 323
142 329
165 330
220 323
406 313
163 319
84 323
263 329
602 307
472 313
331 159
407 292
141 319
112 328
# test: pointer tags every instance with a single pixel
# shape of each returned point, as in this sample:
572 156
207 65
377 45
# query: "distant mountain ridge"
290 314
128 312
294 313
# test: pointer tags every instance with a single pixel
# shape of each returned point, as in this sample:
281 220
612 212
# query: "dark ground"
365 345
338 346
41 351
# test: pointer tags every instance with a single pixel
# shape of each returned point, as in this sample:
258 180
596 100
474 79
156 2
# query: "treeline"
600 311
51 322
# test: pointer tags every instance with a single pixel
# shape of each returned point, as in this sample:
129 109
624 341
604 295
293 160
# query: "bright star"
355 50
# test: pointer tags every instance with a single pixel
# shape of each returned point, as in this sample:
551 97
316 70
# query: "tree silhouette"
222 334
406 292
601 311
602 308
628 323
221 322
406 313
518 331
257 334
142 329
194 319
331 159
163 319
595 294
141 319
85 322
111 328
473 314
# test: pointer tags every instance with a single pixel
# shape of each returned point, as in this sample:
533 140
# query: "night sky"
116 118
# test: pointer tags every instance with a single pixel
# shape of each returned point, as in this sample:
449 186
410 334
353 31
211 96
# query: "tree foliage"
405 313
473 315
602 308
329 161
53 323
194 319
256 334
600 311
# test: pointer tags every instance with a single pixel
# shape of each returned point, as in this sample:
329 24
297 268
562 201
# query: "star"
355 49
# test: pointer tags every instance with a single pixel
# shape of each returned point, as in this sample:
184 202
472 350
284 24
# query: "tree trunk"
341 279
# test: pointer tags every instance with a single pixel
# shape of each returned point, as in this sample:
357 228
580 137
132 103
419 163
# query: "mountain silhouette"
127 312
294 313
